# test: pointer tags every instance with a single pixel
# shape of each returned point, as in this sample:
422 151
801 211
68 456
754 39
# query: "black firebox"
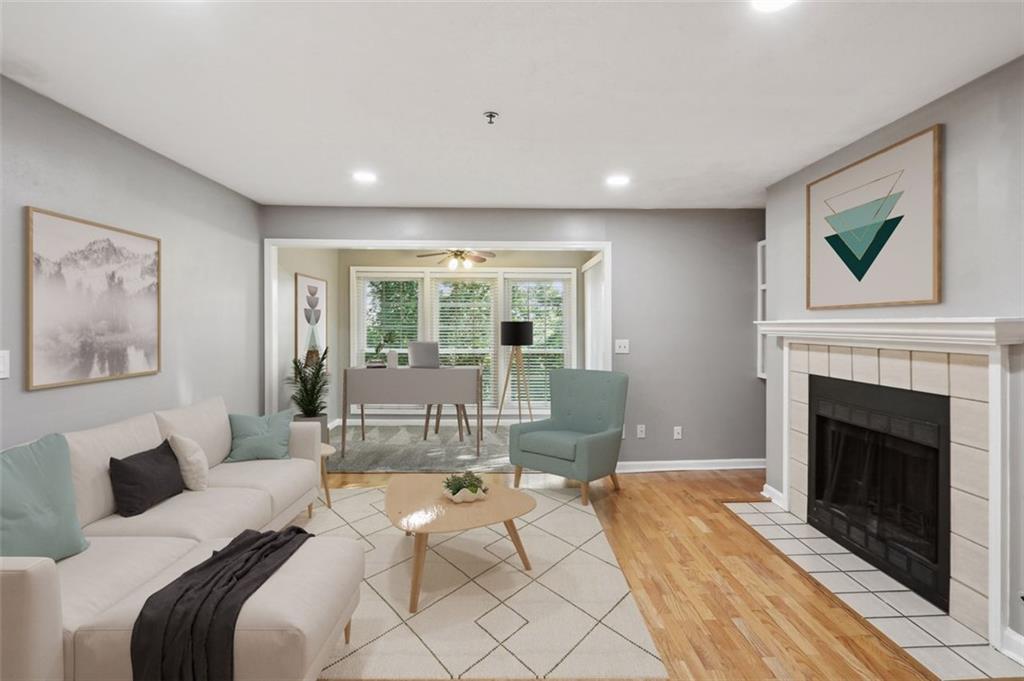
878 478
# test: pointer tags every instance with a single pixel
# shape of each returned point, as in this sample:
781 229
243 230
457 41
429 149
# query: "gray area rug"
396 449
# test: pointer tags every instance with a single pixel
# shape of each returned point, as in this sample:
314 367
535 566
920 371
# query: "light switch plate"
621 346
5 363
641 431
677 433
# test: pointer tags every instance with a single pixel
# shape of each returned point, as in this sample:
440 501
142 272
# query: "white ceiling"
703 104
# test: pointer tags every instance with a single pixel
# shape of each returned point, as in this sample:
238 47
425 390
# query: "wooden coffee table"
415 502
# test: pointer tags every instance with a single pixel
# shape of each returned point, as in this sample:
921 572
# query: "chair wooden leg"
458 417
585 492
465 417
615 482
437 421
309 510
426 422
519 476
348 631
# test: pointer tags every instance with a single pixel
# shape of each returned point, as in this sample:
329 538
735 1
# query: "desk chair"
426 355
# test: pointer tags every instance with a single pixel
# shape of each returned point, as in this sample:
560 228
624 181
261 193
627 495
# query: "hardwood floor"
720 602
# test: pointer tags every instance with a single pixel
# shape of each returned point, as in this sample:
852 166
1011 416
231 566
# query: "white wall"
57 159
682 292
982 233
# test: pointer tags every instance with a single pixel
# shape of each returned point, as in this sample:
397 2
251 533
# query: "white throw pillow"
192 459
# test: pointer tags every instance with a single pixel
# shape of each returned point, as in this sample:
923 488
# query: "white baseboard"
776 496
687 465
1013 645
336 423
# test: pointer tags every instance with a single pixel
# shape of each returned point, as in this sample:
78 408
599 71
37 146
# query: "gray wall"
982 231
682 290
211 297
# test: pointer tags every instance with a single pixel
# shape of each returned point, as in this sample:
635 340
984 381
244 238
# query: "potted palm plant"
311 382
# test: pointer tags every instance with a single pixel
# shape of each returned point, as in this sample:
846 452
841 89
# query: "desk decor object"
93 301
310 317
516 335
464 488
873 228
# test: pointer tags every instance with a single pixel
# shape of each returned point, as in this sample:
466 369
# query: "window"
390 312
464 325
461 312
544 302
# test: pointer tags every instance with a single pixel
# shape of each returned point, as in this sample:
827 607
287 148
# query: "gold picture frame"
911 165
70 354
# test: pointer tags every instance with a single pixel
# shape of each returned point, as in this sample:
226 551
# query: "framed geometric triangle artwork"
310 317
873 228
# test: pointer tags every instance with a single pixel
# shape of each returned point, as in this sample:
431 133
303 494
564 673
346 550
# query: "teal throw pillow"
37 501
259 437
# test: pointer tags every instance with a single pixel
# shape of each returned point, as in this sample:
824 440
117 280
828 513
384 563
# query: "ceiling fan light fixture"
467 263
453 264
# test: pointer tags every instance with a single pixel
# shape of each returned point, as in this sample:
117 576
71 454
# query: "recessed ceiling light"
364 176
771 5
617 180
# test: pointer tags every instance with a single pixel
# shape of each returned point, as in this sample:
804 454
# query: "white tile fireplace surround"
967 359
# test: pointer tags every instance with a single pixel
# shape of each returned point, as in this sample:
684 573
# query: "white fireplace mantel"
939 331
993 337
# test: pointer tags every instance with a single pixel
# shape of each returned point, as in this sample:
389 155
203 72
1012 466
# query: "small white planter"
465 496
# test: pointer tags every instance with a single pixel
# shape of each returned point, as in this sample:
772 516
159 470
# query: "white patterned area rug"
482 616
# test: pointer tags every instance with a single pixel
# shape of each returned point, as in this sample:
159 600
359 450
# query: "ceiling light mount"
490 116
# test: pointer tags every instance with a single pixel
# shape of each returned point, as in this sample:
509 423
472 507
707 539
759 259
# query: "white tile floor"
943 645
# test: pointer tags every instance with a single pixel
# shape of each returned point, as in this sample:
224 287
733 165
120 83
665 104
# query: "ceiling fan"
456 256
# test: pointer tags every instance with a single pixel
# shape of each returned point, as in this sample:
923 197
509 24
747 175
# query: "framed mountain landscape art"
93 302
310 317
873 228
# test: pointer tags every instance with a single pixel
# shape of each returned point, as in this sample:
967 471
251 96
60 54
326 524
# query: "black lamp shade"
517 333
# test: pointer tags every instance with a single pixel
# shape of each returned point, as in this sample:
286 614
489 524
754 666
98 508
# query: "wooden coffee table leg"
419 558
513 534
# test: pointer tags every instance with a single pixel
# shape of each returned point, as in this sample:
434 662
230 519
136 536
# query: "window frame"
426 323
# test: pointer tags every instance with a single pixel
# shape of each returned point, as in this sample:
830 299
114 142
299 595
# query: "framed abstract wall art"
310 317
873 228
93 301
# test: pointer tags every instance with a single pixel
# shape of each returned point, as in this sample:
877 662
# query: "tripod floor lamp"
516 335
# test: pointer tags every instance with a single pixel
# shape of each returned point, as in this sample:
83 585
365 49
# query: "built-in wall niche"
878 478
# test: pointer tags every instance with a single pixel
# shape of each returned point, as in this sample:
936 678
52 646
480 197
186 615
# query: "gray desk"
447 385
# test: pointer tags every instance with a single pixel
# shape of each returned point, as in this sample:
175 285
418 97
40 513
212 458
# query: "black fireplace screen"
878 465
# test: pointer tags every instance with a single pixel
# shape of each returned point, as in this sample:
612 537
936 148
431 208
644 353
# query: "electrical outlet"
5 363
621 346
641 431
677 432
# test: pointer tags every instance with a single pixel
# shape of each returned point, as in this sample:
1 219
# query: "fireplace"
878 478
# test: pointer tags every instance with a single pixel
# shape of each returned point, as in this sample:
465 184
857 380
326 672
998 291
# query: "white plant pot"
392 359
465 496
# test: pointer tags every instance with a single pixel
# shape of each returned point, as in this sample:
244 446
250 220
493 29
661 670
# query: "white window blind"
464 313
390 311
545 302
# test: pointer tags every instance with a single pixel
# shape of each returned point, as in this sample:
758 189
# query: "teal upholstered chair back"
588 401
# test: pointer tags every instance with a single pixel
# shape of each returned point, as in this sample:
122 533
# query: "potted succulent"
311 382
387 338
463 488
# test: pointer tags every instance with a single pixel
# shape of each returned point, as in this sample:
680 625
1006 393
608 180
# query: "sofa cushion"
205 422
143 480
280 631
220 512
37 501
91 451
285 480
104 573
560 444
260 437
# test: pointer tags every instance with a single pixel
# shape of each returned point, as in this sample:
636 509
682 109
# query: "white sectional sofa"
74 619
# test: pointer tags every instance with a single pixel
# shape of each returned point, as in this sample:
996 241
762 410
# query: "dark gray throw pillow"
143 480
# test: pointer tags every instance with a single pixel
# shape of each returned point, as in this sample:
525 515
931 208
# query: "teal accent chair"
581 439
